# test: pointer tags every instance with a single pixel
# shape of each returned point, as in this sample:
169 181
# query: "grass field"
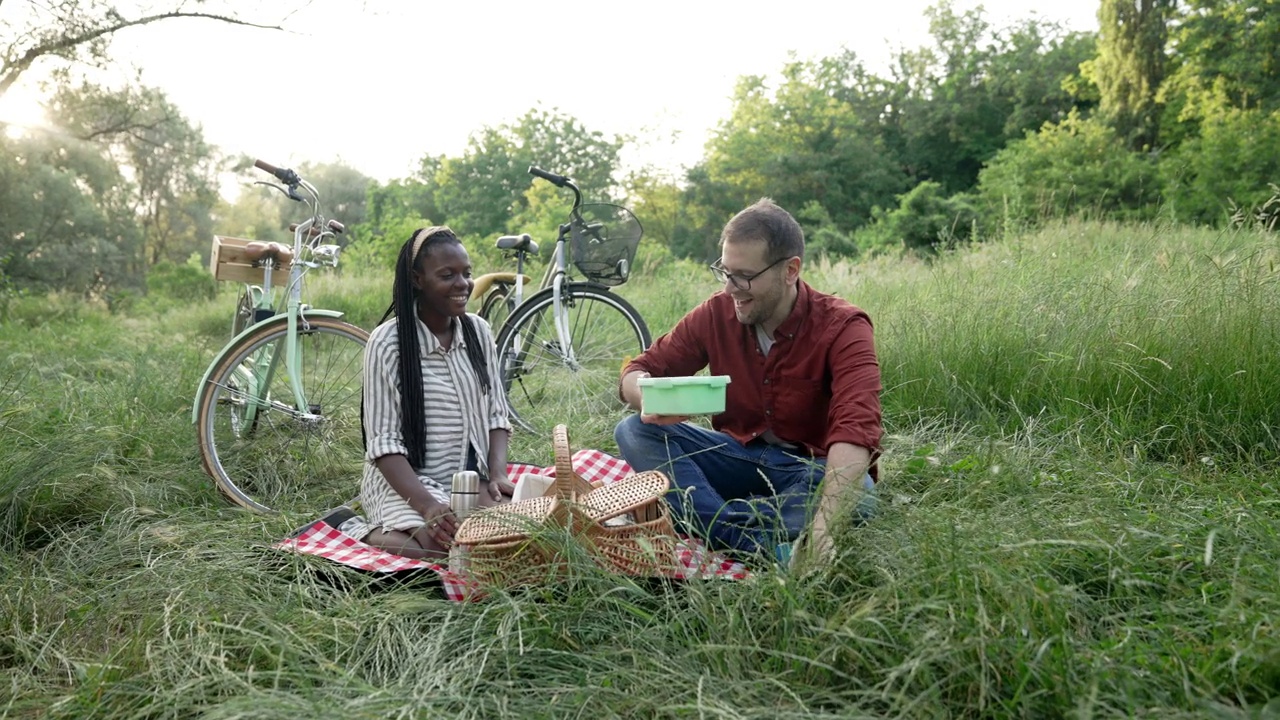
1081 519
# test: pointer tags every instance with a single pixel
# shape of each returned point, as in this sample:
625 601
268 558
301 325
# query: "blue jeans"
748 498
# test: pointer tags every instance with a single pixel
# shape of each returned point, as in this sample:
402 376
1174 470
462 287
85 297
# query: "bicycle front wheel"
266 453
549 384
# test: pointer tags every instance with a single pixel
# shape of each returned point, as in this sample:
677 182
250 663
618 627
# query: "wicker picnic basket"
624 526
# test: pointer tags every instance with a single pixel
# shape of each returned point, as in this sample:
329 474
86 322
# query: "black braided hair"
404 305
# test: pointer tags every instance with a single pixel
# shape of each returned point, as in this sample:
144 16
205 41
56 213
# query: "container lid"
712 381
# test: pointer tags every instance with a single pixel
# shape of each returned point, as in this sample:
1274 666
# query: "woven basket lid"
502 523
632 492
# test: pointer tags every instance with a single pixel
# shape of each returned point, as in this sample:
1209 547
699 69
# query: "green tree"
254 215
481 192
954 104
808 140
706 204
392 211
1130 66
1230 164
1080 165
655 197
171 166
821 235
65 221
344 190
944 111
412 197
1034 69
1226 54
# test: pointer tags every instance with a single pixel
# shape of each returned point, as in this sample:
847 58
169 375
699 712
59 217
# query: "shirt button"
766 381
768 412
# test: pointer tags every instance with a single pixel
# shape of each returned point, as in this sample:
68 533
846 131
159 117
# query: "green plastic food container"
701 395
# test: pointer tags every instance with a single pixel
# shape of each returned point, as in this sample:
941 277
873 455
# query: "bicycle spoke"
289 457
544 387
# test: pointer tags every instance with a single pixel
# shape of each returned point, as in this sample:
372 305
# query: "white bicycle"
561 350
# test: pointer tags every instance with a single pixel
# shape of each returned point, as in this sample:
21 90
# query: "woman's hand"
441 525
497 490
500 484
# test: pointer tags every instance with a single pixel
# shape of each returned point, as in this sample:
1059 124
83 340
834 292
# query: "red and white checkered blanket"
695 561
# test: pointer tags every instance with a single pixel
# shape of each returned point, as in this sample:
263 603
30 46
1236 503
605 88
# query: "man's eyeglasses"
742 282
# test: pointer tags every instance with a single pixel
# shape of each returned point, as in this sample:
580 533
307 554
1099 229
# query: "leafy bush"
375 248
121 301
1078 166
651 257
821 235
923 220
187 282
8 293
1228 166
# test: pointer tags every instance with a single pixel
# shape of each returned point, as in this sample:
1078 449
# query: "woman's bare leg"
418 546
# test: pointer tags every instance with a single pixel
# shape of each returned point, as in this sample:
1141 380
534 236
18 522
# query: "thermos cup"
465 493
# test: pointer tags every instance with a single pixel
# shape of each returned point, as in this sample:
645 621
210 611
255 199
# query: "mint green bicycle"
278 411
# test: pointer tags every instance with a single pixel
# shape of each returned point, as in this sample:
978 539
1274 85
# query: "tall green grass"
1051 543
1159 341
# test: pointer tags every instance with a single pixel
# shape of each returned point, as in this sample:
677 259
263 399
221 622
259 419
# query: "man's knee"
625 432
631 433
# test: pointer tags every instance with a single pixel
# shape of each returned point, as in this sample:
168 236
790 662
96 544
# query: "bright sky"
379 84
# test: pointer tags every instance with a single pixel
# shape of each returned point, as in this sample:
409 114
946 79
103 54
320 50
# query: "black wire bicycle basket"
603 241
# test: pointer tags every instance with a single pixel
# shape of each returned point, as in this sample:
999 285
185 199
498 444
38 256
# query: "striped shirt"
458 414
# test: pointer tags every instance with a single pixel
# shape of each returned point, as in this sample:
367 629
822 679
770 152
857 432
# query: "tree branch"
66 42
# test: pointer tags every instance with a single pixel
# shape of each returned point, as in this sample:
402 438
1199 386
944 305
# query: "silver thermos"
465 493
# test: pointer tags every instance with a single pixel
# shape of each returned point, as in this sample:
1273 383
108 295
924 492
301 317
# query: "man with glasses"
801 428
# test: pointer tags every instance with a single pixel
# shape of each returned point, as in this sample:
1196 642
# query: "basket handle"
568 484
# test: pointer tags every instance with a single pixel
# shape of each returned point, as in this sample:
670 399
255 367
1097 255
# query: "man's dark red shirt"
819 384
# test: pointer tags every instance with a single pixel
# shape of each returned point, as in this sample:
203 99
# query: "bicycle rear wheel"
546 384
264 453
245 306
496 307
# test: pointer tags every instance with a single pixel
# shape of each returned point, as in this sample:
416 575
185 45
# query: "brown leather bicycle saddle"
265 251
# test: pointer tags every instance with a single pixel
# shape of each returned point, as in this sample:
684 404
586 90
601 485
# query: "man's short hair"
765 220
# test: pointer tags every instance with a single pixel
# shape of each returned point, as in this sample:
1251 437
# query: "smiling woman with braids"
433 402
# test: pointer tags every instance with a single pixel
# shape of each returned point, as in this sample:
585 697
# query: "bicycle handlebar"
557 180
294 182
284 175
337 228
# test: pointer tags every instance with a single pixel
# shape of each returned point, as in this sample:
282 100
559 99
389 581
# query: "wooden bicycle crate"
227 261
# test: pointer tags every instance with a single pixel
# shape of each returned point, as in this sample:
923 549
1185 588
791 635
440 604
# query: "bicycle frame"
556 273
562 317
260 371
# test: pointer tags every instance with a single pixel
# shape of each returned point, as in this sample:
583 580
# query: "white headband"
421 237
